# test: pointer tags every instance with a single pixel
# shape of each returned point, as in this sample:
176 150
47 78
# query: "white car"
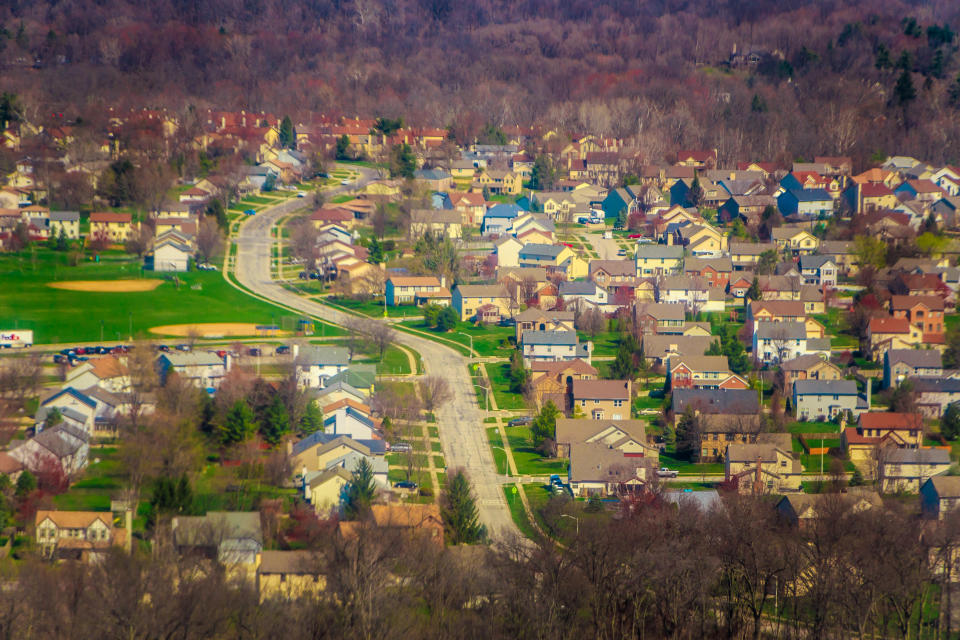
301 194
344 182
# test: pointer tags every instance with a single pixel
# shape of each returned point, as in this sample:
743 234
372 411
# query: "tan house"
534 319
498 182
75 534
892 333
877 429
628 436
808 367
468 298
552 381
116 227
289 575
795 240
444 223
323 490
416 290
768 466
720 430
422 521
601 399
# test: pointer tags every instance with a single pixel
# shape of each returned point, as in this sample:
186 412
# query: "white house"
314 364
553 346
818 270
508 252
75 408
583 295
781 341
203 369
170 255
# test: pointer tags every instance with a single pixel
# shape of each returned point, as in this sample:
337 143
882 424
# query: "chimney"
227 362
296 351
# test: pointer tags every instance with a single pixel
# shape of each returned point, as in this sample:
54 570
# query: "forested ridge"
824 79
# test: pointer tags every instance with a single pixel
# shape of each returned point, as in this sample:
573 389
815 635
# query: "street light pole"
471 341
574 518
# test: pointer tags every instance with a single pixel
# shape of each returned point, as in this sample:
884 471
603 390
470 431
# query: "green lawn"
686 467
813 427
395 362
604 344
528 460
488 340
99 483
374 308
500 383
439 462
58 315
499 456
518 513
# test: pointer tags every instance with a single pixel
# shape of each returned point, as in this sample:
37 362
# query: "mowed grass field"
56 315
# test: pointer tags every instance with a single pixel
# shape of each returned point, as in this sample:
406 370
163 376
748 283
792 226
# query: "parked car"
183 347
521 421
303 275
250 212
644 240
664 472
403 484
622 252
344 182
59 358
206 266
254 351
282 349
301 194
314 275
401 447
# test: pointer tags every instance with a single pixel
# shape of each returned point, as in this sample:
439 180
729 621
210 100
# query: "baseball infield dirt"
107 286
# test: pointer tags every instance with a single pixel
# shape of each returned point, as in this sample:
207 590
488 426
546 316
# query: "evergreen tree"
950 422
624 366
519 374
343 146
238 425
10 109
288 135
360 492
754 293
312 419
62 243
695 193
447 319
402 161
621 219
459 509
276 421
208 413
375 252
26 484
543 174
903 94
883 60
215 209
544 425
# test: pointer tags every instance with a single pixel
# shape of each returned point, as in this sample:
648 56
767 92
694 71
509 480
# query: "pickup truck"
664 472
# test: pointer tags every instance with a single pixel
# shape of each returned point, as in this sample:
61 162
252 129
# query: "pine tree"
26 484
343 146
360 492
375 252
544 425
695 193
276 421
62 243
288 135
312 420
904 93
754 293
238 425
459 509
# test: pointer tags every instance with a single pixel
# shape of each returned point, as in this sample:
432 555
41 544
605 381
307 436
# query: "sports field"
28 299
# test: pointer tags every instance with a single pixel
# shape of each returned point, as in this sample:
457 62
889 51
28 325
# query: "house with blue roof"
805 202
351 422
75 408
498 220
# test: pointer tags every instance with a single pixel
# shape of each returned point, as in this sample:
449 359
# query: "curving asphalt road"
460 422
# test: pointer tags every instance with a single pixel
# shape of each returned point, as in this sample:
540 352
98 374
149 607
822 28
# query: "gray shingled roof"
919 358
826 387
562 338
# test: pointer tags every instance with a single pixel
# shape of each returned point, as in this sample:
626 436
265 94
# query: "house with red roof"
923 312
877 429
887 332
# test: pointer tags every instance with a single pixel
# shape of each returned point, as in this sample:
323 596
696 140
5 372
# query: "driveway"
606 248
460 422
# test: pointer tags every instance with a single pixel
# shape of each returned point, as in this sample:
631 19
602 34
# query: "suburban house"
933 395
500 183
801 509
657 349
827 399
289 575
819 270
498 219
507 251
552 381
76 534
232 537
67 222
717 431
900 364
775 342
534 319
656 259
813 366
75 407
810 203
740 284
795 240
421 521
843 255
169 255
320 450
63 446
892 333
362 377
628 436
349 419
443 223
923 312
702 372
715 271
554 258
115 227
201 368
746 255
734 402
583 295
314 364
540 346
597 469
324 489
695 293
939 496
767 466
601 399
416 290
904 470
468 298
876 429
660 317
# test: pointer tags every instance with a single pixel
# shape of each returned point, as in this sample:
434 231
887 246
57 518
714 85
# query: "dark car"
282 349
163 347
183 347
303 275
314 275
519 422
60 358
254 351
403 484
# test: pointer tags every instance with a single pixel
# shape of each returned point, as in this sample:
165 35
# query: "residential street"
460 422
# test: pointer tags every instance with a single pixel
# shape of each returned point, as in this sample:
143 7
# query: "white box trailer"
16 338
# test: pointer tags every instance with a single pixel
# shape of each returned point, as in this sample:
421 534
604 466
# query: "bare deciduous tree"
210 240
434 392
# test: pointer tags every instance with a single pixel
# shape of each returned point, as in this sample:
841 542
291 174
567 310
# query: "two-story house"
775 342
904 470
827 399
416 290
67 222
314 364
892 333
554 258
115 227
655 259
702 372
201 368
813 366
795 240
602 399
819 270
715 271
628 436
767 466
939 496
877 429
534 319
468 298
75 534
923 312
746 255
900 364
553 346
